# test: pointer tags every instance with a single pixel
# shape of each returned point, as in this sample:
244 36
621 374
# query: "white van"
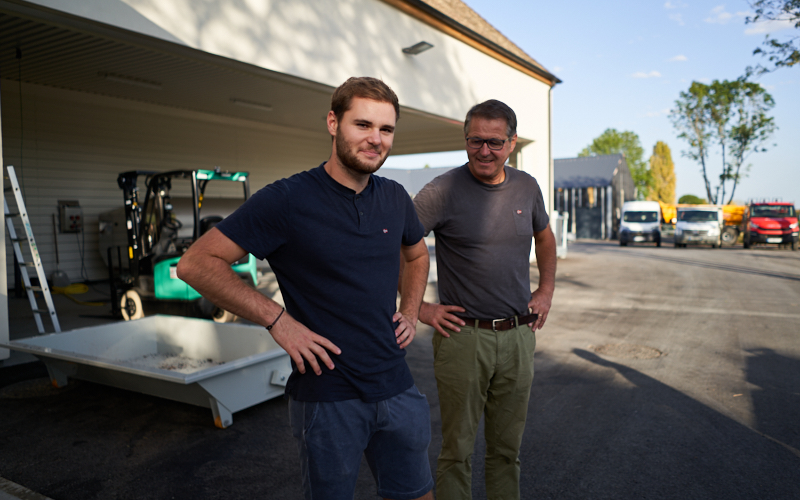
700 225
640 222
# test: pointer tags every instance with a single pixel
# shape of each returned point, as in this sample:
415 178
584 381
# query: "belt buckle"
494 323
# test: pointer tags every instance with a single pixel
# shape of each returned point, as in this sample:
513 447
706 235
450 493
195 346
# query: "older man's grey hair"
493 110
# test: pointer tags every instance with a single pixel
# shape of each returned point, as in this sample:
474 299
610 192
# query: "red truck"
770 222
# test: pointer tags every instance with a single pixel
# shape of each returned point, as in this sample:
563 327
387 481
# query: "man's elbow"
186 268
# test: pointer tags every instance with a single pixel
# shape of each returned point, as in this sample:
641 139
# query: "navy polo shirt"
336 256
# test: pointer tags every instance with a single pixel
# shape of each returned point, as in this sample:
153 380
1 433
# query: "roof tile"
464 15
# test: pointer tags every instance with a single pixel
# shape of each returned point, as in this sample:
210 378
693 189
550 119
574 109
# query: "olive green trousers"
480 371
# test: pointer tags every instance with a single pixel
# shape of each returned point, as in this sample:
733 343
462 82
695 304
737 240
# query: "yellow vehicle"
734 216
732 219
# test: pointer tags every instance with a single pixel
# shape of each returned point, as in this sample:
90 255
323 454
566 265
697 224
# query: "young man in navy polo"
334 237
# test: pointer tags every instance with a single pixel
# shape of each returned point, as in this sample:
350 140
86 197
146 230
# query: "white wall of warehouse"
75 144
71 146
328 42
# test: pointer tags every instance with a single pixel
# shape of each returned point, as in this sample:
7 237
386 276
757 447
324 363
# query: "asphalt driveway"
661 373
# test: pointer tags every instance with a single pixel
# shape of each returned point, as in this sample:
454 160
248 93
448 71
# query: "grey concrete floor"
661 373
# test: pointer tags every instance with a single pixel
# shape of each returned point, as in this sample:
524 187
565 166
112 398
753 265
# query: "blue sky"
623 65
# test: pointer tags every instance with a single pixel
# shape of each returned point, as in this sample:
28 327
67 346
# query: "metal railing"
559 223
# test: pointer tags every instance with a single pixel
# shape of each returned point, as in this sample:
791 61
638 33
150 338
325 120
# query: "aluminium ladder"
36 261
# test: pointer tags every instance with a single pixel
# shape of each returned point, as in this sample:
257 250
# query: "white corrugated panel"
75 144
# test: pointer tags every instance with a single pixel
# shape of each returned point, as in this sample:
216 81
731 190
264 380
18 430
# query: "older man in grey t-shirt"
484 216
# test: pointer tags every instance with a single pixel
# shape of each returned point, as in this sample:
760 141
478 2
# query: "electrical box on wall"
71 216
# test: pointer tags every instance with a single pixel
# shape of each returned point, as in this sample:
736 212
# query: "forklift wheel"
222 316
131 305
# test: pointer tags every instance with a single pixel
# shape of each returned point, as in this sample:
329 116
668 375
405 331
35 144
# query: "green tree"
750 130
730 114
779 53
611 142
692 120
690 199
662 172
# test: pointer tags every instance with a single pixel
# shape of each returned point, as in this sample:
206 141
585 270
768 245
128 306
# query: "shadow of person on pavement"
601 429
776 402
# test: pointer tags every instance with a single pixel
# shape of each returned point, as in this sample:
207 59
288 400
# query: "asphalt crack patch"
627 351
36 388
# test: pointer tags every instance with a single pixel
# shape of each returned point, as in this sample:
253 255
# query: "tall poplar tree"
662 171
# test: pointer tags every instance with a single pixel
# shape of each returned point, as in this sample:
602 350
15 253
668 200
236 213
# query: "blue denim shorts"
393 435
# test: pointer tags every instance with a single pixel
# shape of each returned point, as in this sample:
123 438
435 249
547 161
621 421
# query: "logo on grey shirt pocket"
524 222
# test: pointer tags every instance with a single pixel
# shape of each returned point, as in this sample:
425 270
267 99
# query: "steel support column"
4 331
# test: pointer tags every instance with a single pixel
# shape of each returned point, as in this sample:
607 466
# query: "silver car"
698 226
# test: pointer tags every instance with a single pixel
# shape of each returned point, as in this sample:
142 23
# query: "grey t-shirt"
483 239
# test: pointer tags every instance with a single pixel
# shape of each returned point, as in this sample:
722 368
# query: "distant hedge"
690 199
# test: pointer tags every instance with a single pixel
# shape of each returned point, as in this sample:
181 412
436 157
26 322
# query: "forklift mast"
127 181
157 186
158 235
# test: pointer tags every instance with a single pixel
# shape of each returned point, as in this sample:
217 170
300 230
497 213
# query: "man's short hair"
493 110
365 87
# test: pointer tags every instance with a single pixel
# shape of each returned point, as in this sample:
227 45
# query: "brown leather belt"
503 324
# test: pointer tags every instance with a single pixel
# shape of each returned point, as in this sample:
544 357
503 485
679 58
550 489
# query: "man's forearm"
546 260
412 286
206 268
218 283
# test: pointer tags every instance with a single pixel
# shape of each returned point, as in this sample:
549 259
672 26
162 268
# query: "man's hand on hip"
441 317
303 345
406 330
540 304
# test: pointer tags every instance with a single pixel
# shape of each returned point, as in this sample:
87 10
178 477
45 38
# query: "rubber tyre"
623 243
131 306
794 245
222 316
729 236
746 241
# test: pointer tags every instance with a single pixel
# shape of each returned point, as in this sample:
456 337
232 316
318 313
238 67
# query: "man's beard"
351 162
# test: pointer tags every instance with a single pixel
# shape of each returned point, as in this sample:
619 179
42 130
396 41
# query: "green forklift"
177 208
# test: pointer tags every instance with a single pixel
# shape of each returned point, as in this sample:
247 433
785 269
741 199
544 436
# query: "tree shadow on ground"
599 429
776 401
596 429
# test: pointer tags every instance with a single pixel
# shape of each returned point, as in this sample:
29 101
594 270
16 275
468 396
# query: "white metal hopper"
225 367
